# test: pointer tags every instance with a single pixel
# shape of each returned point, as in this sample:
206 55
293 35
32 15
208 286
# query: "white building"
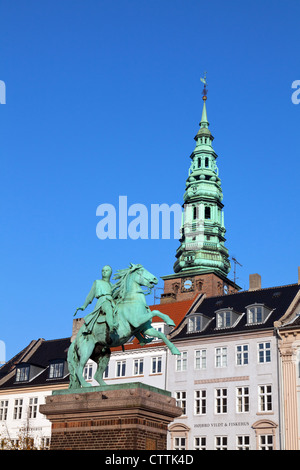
227 379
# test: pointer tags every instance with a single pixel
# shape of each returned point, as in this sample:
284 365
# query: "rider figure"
102 290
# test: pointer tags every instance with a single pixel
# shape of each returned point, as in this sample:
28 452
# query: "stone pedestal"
131 416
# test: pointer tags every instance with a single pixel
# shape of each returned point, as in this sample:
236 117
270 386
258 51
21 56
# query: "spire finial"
204 92
204 121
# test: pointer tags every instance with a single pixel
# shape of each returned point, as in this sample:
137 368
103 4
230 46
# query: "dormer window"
224 319
57 369
227 318
26 372
22 373
197 322
257 313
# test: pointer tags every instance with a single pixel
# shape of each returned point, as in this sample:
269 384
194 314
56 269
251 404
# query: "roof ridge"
254 290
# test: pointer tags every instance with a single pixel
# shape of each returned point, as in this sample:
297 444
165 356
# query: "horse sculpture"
133 317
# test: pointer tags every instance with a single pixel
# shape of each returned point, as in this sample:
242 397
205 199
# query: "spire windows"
207 212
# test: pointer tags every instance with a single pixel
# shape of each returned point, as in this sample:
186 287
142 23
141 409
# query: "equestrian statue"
121 312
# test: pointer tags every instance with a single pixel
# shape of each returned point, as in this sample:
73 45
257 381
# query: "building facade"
25 381
228 378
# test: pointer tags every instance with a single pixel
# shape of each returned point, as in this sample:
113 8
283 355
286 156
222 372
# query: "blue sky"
103 98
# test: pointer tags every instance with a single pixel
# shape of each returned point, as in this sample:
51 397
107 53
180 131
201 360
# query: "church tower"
202 263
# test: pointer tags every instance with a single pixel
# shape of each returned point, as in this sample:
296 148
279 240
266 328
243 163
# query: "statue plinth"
131 416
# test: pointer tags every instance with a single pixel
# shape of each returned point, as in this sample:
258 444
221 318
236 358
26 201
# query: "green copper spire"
204 122
202 248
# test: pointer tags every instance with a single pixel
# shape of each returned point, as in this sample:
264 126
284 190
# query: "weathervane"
203 80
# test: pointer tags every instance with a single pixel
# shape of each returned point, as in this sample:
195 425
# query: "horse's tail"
72 361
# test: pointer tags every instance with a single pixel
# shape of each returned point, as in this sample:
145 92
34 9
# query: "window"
257 313
181 401
33 407
138 367
195 212
156 365
197 323
265 398
200 402
179 443
206 160
181 361
221 357
243 443
18 407
45 443
3 410
200 359
22 373
106 372
264 352
200 443
194 324
221 400
224 319
221 443
266 442
242 355
88 372
242 399
56 370
207 212
121 369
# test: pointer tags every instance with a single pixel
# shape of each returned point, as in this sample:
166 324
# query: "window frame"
181 400
200 361
138 366
121 368
56 369
23 373
221 359
264 353
243 399
200 402
181 362
243 354
156 365
221 401
265 398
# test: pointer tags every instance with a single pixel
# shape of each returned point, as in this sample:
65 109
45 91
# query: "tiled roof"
277 299
46 352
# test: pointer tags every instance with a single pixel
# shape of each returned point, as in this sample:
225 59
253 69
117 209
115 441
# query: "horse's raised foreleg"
163 316
158 334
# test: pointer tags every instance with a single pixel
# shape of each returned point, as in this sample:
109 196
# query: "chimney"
298 274
77 324
254 282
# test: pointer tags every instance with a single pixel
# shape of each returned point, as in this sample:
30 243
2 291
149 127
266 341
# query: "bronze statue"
121 312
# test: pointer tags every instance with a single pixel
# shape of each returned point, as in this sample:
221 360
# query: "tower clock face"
187 284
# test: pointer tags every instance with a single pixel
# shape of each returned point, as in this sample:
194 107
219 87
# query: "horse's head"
142 276
131 277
